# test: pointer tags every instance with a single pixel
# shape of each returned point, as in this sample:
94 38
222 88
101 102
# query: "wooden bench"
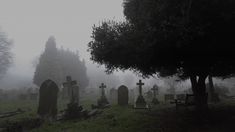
188 101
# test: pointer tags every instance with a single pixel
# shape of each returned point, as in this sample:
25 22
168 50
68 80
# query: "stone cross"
155 90
102 87
140 84
70 84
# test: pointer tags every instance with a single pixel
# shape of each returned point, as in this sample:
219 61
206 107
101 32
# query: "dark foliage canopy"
182 37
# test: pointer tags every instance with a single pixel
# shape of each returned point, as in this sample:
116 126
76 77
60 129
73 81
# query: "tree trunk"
211 85
199 90
213 97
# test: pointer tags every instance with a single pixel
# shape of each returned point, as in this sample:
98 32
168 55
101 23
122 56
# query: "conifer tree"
56 64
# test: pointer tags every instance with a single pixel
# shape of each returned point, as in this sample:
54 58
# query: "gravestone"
155 92
132 96
74 110
47 108
148 95
103 100
71 88
76 94
140 102
113 96
123 96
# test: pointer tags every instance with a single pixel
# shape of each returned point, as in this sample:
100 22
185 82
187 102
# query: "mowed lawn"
162 118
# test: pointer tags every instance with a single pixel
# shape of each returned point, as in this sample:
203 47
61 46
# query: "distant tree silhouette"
188 38
56 64
48 66
5 54
70 64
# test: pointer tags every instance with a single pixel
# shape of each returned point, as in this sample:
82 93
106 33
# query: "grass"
114 119
162 118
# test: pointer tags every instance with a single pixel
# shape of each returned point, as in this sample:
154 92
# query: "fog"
30 23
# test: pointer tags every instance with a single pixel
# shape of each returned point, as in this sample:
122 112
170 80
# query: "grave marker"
71 86
74 110
155 92
48 100
132 96
113 96
140 102
103 100
123 96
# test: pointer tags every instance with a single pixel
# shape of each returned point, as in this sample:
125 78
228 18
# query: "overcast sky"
30 22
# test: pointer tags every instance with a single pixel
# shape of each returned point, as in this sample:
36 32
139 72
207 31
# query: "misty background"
29 23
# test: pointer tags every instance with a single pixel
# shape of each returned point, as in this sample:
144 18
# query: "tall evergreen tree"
70 64
47 67
56 64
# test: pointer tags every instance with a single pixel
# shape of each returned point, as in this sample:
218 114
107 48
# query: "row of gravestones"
122 96
49 91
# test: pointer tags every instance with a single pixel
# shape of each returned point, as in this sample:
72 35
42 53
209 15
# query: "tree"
47 68
5 54
213 96
188 38
71 65
56 64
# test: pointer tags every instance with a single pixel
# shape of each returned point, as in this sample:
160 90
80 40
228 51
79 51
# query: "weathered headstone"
103 100
132 96
74 110
76 94
140 102
48 100
123 96
155 92
148 95
71 88
113 96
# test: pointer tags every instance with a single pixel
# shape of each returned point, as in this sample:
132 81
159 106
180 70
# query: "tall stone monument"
140 102
72 89
73 108
103 100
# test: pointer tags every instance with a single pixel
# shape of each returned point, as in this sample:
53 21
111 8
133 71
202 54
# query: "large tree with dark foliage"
56 64
188 38
5 54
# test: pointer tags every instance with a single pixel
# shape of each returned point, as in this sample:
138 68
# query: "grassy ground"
163 118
